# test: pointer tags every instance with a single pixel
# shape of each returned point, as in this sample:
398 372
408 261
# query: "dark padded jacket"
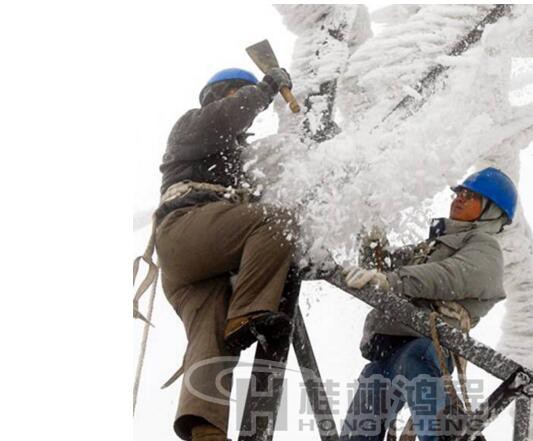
205 144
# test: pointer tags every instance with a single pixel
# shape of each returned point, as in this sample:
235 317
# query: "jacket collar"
441 227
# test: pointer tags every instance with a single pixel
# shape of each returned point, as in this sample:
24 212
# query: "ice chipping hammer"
263 56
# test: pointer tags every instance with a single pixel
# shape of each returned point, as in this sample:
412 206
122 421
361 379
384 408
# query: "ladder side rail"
316 392
260 412
522 418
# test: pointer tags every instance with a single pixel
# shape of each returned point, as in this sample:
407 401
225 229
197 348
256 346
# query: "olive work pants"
197 248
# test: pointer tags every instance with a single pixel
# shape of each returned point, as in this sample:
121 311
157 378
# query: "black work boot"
264 327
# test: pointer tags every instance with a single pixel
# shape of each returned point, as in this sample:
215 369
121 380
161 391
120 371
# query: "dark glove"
277 78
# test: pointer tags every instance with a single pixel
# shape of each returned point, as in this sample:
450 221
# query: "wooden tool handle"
291 100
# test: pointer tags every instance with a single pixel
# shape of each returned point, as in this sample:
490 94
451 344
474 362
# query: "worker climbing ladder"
260 412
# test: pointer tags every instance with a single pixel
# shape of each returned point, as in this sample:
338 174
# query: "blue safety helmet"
496 186
239 76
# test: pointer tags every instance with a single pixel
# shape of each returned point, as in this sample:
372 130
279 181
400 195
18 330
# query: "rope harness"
455 311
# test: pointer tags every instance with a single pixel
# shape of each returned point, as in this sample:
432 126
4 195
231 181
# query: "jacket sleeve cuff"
267 90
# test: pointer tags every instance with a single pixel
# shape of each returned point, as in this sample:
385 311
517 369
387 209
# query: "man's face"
466 206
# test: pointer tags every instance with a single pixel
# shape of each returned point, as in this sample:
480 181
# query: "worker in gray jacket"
211 226
458 273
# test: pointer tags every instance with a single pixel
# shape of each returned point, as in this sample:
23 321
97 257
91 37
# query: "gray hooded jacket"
463 265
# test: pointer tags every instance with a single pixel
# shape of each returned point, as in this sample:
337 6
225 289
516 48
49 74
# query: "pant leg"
208 241
416 374
370 411
203 307
197 248
266 258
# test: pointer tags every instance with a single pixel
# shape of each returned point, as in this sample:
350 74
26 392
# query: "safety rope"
142 353
457 312
150 278
446 376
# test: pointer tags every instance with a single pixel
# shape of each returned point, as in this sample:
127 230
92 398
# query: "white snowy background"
183 45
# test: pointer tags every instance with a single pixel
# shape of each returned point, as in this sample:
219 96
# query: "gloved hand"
277 78
357 278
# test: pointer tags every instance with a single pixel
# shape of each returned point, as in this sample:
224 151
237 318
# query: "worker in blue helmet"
457 274
211 228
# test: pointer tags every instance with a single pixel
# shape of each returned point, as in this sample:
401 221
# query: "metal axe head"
263 55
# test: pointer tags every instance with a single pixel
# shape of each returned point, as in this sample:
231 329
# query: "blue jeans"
410 373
